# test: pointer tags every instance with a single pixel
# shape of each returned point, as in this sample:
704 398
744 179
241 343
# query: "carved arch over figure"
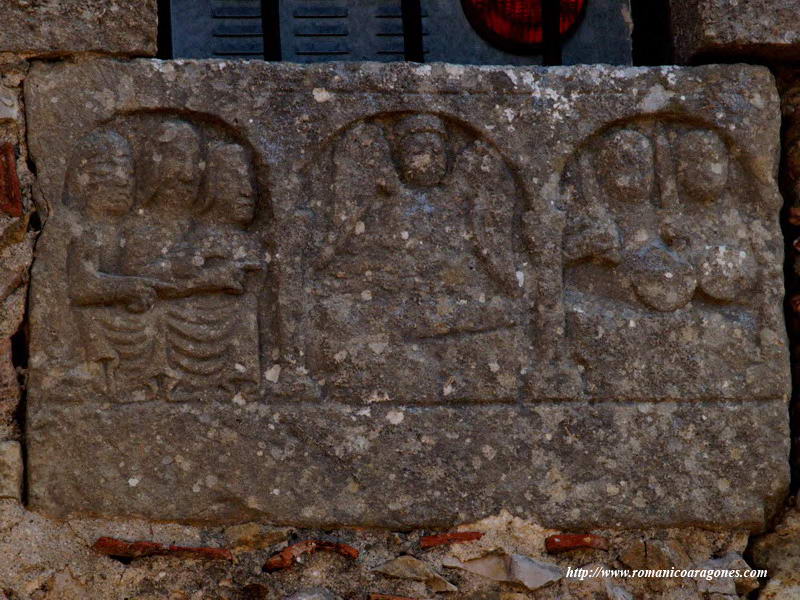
385 147
185 318
663 230
428 213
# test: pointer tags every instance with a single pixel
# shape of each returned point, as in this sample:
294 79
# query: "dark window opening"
499 32
652 36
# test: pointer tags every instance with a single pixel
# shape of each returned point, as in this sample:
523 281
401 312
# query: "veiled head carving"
702 165
625 165
175 173
422 149
231 191
100 179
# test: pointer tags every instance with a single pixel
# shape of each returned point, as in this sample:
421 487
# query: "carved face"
107 178
423 158
702 165
243 210
232 187
178 166
626 166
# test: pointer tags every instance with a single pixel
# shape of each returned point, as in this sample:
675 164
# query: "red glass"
518 22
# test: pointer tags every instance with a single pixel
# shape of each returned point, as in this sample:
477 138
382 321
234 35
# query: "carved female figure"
647 204
100 190
212 332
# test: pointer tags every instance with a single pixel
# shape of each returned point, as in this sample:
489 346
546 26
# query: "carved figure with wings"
420 258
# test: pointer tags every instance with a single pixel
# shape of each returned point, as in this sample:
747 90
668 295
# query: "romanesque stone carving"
658 243
419 266
159 283
405 296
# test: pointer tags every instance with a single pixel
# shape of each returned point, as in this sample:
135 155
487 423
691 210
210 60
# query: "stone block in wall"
406 296
59 27
16 242
708 29
10 470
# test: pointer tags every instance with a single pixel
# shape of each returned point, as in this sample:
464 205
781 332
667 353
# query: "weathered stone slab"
57 27
729 28
10 470
404 296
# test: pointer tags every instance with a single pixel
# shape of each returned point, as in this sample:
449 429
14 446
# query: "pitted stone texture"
43 559
779 553
10 470
58 27
393 295
16 239
734 28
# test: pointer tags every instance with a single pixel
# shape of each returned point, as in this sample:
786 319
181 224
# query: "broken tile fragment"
564 542
122 549
289 555
431 541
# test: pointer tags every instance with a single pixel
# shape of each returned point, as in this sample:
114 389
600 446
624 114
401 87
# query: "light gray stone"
11 470
408 567
511 568
729 29
407 296
58 27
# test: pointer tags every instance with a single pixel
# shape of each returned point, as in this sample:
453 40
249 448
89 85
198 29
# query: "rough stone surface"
16 246
262 291
42 559
779 553
408 567
768 29
10 470
313 594
60 27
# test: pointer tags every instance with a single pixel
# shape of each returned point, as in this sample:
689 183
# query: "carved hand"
228 277
139 294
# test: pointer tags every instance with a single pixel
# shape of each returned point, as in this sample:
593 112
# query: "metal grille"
320 30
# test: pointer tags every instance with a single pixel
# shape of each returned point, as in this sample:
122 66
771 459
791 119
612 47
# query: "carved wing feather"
491 193
363 171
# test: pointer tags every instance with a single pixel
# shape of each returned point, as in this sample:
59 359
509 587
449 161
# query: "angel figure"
419 263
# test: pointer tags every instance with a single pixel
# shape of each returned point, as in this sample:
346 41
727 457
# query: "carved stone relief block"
406 296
